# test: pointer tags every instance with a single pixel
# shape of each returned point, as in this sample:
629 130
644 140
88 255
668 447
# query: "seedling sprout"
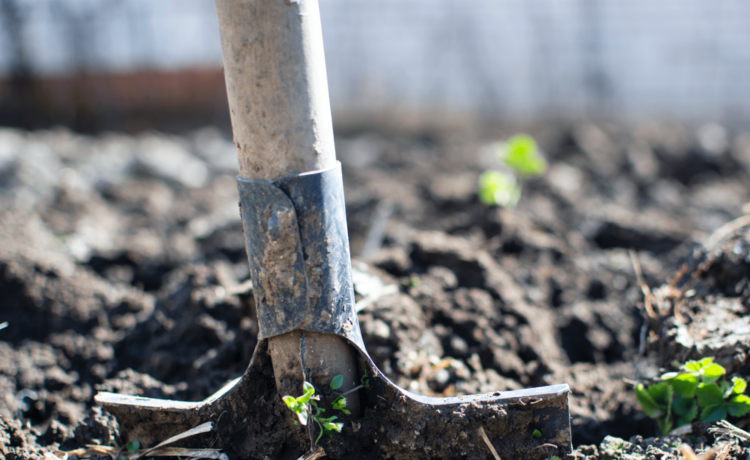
697 391
303 405
521 156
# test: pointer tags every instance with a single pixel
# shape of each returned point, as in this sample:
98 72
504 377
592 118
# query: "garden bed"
123 268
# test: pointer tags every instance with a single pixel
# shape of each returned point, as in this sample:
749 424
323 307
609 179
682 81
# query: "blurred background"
128 65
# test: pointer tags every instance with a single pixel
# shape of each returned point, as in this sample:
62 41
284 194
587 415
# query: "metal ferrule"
298 249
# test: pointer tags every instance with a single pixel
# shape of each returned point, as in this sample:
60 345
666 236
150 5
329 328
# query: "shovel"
294 221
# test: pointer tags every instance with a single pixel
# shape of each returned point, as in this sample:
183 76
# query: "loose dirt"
123 268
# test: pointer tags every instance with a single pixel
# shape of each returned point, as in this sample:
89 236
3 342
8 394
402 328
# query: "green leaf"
739 385
521 154
684 407
339 403
669 375
647 402
346 411
713 412
337 382
133 446
709 394
692 366
291 403
738 406
705 362
685 384
307 392
712 372
497 188
302 416
536 433
661 393
333 426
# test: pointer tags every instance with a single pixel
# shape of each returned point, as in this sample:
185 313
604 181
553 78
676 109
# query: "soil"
123 268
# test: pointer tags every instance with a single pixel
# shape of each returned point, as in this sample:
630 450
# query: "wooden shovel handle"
281 120
277 86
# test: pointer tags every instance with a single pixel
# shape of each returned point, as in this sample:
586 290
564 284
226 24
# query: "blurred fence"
516 59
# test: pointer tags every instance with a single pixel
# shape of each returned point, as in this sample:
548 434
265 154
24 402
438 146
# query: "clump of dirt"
703 311
123 268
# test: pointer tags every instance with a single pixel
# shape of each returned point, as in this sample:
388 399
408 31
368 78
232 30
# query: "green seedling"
133 446
337 382
718 400
697 391
498 189
302 407
693 374
536 434
340 404
656 401
521 155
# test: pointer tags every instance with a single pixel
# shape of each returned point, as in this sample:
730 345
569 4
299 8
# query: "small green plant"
698 390
498 188
536 434
521 155
303 405
340 404
133 446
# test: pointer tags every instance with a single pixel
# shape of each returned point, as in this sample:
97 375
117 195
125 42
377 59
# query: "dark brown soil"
122 269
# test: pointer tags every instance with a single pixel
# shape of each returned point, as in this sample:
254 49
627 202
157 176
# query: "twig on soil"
726 230
158 451
641 350
352 390
374 236
729 429
681 430
203 428
716 453
547 445
315 453
688 452
647 295
489 444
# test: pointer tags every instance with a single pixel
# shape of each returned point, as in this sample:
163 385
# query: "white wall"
684 59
